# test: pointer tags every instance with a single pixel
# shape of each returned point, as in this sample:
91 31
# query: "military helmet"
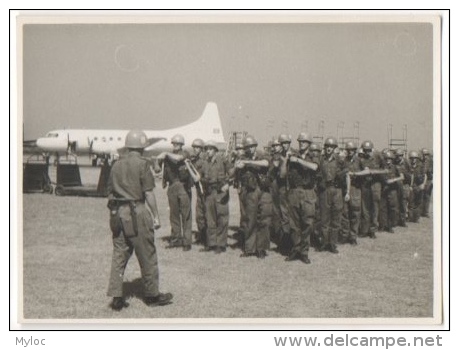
136 139
399 152
197 143
350 145
249 141
304 136
388 154
178 139
284 138
314 147
413 154
367 145
211 144
239 146
276 141
425 151
331 141
360 151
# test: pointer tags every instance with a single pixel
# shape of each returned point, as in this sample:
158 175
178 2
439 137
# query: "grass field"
67 254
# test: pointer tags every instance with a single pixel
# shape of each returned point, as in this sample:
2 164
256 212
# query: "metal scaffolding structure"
397 142
342 139
319 137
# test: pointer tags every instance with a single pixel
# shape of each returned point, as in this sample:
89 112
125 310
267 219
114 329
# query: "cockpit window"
52 134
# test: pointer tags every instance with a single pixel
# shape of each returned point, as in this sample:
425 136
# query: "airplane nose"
52 145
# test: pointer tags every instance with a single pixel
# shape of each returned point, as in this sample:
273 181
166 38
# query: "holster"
128 218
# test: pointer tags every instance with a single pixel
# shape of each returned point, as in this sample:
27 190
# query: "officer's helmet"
399 152
249 141
304 136
211 144
178 139
136 139
284 138
350 145
197 143
367 145
413 154
331 141
314 147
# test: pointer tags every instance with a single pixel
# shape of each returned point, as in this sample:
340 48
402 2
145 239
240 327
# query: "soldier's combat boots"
160 300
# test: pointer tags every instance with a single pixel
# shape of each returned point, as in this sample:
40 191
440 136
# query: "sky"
265 78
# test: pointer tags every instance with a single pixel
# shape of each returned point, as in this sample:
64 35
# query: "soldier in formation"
294 197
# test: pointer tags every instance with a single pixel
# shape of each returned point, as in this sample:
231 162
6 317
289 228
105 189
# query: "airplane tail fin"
208 126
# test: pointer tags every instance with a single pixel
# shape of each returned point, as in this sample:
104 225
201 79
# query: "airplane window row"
104 139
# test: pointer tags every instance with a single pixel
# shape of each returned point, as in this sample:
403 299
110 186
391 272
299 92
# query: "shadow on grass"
134 289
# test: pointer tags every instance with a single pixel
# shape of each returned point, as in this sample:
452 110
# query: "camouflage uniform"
415 199
257 203
389 211
353 208
302 200
371 197
331 198
214 177
200 209
178 178
427 193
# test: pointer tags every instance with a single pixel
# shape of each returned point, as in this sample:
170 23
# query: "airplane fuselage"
103 142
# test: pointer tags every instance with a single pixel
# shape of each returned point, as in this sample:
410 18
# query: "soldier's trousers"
415 204
200 213
217 216
389 211
352 211
180 212
302 210
144 246
331 211
257 220
427 195
276 228
403 196
371 198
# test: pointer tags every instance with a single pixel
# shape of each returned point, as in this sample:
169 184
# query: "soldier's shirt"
373 162
252 175
403 168
215 171
198 161
418 172
428 168
177 171
333 169
130 177
393 171
299 176
354 165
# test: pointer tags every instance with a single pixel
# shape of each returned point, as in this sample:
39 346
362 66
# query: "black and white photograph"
230 169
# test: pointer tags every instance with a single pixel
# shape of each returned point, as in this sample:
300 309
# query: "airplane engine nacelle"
53 144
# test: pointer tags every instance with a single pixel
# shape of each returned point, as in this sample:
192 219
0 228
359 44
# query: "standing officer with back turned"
130 187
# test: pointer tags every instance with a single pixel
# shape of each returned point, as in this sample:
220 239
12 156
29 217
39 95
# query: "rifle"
194 175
